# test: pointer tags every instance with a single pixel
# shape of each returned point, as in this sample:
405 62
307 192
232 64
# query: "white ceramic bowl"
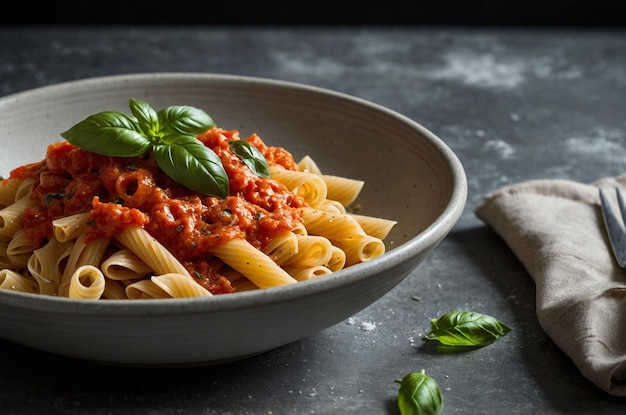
410 175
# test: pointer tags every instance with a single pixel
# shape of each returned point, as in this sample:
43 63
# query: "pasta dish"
85 225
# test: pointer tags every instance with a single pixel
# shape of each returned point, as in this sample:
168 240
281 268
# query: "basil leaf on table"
466 328
419 394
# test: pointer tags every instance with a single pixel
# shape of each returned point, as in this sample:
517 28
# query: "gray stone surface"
513 104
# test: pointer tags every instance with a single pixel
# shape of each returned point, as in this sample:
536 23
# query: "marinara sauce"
120 191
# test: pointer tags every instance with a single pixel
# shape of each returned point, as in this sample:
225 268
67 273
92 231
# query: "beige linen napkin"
555 228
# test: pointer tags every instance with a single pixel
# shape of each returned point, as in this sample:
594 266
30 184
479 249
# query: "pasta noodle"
375 226
178 285
69 227
335 226
307 164
238 281
120 229
4 258
310 186
337 259
24 189
282 247
82 254
332 206
11 216
361 248
342 189
8 191
46 265
150 251
125 265
87 282
113 290
145 289
11 280
312 251
19 250
252 263
303 274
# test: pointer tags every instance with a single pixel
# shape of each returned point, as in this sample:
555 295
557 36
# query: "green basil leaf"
466 328
251 156
192 164
109 133
419 394
184 120
147 118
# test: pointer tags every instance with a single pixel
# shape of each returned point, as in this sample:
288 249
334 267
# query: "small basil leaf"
466 328
109 133
251 156
192 164
184 120
419 394
147 118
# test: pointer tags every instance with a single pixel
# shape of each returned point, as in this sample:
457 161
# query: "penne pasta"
11 216
86 283
333 206
334 226
309 273
374 225
145 289
252 263
19 250
94 227
11 280
82 254
309 186
238 281
282 247
361 248
312 251
178 286
342 189
150 251
4 258
114 290
345 232
69 227
8 190
46 265
307 164
24 189
124 265
337 259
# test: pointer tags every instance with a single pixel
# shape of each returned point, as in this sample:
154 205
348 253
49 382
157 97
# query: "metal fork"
614 228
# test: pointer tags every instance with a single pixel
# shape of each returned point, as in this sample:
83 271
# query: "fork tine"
614 228
622 204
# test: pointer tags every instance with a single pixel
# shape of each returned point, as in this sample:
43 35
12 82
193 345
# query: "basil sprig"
171 136
419 394
466 328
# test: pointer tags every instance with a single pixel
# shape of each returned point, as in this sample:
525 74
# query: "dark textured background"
514 104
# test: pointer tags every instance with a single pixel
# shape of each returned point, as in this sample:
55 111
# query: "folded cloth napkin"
555 228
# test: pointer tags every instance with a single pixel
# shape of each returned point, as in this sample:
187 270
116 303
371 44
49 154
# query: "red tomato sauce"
120 191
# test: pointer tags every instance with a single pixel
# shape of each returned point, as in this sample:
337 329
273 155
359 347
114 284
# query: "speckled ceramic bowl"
410 175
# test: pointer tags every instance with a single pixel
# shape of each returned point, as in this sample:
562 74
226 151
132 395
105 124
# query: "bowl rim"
257 298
